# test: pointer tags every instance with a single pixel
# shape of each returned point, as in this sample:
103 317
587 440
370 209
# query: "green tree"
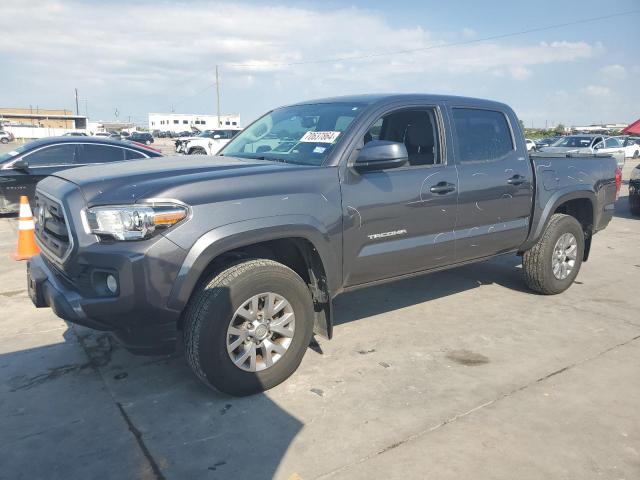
560 129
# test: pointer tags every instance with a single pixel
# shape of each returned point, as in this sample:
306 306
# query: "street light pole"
218 97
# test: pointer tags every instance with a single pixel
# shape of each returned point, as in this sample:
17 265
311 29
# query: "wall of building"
179 122
42 118
26 132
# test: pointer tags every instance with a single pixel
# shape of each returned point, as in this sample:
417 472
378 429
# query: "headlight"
132 222
635 173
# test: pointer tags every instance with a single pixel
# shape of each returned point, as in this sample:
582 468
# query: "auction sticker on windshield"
320 137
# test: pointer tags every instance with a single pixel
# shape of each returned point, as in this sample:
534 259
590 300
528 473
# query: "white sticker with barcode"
319 137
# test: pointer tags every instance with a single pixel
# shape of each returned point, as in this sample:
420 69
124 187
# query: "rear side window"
132 155
482 135
89 153
53 155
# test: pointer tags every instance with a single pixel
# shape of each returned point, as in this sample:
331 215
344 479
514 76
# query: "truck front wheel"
248 327
552 264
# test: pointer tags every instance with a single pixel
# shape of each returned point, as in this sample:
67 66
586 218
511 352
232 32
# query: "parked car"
531 146
631 146
6 137
588 144
141 137
545 142
217 135
208 144
74 134
242 254
634 191
27 164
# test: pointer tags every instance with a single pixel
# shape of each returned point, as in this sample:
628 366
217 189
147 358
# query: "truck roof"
388 98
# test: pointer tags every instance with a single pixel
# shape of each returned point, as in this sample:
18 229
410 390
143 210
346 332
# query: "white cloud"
597 90
614 72
152 54
468 32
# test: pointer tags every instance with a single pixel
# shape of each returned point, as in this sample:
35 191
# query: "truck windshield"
300 134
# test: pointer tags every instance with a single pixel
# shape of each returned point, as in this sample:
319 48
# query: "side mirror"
21 165
381 155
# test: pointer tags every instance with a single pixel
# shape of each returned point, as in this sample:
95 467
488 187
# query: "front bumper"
137 314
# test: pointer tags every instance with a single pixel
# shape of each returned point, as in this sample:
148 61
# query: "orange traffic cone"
27 247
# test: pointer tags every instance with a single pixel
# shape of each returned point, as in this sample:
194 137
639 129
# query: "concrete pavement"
459 374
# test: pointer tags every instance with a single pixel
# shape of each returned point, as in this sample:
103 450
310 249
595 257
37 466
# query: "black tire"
537 261
197 151
634 205
211 309
636 154
4 140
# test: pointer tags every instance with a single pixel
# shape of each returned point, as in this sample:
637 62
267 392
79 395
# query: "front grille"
52 230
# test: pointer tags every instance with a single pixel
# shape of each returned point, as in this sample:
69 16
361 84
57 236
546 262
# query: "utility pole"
218 97
77 109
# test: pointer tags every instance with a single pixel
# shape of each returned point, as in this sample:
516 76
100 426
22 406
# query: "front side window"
417 129
612 143
53 155
483 135
90 153
300 134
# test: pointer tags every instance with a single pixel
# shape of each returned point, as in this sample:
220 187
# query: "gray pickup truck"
241 254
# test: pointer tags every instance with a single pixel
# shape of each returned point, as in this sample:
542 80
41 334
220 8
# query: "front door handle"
517 180
442 188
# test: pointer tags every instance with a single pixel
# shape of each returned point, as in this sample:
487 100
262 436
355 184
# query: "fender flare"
247 232
539 222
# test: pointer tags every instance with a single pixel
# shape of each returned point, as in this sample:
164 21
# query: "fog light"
112 283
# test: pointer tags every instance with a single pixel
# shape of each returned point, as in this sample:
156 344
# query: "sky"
160 56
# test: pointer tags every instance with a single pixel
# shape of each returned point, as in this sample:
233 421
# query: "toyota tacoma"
242 254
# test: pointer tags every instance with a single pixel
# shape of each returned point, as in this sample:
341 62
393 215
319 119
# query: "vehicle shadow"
504 270
622 208
70 409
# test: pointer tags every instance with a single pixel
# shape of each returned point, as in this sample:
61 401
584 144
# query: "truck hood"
130 181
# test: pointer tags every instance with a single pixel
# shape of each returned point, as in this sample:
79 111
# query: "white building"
179 122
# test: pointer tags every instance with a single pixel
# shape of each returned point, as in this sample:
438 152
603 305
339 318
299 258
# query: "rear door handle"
442 188
517 180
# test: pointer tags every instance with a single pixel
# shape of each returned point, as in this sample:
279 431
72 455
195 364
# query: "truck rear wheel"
248 327
552 264
197 151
